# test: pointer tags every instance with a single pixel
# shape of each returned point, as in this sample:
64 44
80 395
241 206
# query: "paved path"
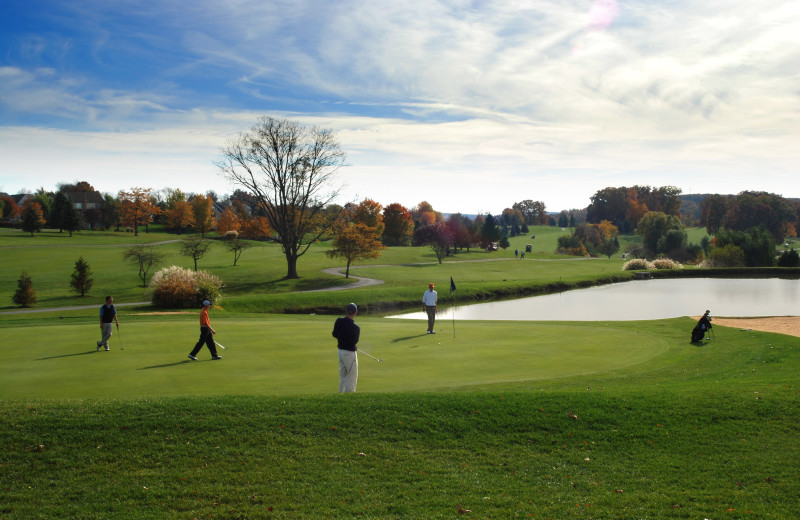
360 281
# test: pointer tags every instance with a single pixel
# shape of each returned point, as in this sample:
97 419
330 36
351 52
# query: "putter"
369 355
220 346
121 346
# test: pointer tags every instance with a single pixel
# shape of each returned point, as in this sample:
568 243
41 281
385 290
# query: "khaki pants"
348 371
106 329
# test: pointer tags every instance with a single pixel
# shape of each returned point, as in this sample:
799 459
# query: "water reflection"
641 300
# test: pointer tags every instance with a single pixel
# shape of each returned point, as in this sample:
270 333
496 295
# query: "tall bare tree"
288 167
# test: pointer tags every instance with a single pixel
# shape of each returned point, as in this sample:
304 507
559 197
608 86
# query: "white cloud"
456 102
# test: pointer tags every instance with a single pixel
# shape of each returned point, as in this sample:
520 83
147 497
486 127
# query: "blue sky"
469 105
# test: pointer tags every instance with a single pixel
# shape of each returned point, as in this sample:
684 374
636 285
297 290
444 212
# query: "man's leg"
348 371
199 343
431 317
107 330
211 345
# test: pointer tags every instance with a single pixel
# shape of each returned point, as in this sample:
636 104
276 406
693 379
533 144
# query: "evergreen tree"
60 201
81 281
24 296
32 218
70 218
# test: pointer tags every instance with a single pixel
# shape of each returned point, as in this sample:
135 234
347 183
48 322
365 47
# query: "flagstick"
453 302
454 315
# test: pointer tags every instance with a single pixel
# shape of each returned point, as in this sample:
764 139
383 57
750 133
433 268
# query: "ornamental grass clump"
176 287
666 263
637 264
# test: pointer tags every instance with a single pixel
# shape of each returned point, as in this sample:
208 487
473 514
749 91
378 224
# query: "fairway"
274 355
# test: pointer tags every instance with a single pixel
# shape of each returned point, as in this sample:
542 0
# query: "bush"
727 256
176 287
789 259
666 263
637 264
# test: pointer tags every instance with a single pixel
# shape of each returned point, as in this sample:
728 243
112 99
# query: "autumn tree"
437 236
137 208
178 212
252 226
398 225
45 200
203 214
32 217
424 214
81 279
369 213
227 221
288 168
461 227
354 242
144 258
10 208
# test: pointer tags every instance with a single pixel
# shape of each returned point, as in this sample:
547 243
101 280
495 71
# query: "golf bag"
702 327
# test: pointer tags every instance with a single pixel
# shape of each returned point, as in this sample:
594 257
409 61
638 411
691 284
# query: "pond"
639 300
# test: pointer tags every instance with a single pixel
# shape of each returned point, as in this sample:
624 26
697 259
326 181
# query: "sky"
469 105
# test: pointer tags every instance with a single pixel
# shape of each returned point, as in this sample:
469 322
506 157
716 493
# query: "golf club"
220 346
370 355
121 346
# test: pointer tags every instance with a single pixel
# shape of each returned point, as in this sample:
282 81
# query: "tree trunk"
347 271
291 266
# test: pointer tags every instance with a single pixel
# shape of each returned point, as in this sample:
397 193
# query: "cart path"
361 281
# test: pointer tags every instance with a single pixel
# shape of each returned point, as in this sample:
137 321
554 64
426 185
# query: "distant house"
89 204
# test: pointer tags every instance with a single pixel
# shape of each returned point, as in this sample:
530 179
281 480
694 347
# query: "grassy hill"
504 420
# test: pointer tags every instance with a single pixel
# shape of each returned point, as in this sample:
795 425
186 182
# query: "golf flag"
452 285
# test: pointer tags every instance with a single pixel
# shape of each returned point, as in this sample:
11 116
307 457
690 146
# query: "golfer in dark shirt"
347 332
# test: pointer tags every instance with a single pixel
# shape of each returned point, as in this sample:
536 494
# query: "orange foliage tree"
355 242
228 221
137 208
398 225
203 211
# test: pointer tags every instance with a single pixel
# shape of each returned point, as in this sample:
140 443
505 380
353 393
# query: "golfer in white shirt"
429 298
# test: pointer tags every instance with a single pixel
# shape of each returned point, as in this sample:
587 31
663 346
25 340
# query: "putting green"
290 355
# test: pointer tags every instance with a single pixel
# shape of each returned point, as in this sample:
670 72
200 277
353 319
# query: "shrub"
666 263
789 259
637 264
24 296
727 256
176 287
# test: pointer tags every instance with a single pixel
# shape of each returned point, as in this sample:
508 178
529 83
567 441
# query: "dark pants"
431 310
207 338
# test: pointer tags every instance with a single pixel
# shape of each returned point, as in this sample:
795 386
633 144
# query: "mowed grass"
507 420
258 284
291 355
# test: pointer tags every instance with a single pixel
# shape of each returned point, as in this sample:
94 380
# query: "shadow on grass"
406 338
68 355
165 365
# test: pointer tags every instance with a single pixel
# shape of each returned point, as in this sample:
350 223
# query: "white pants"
348 371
